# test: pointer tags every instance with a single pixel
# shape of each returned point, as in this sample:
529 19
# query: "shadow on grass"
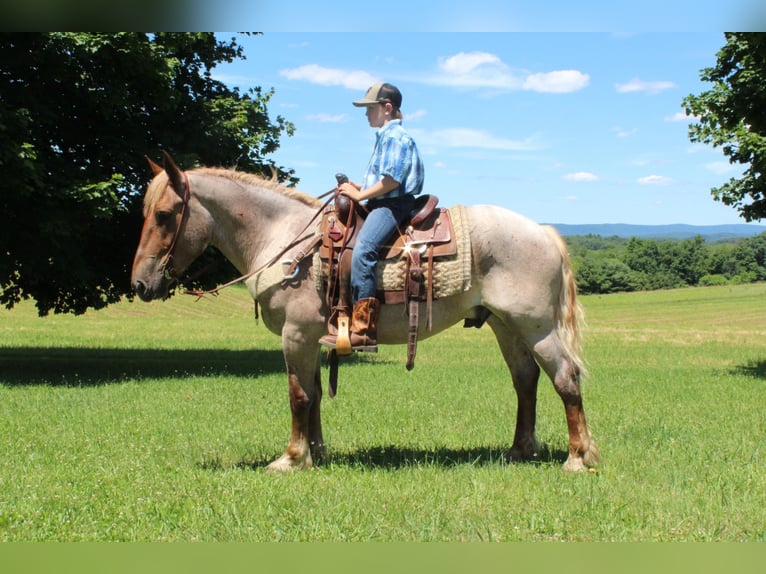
85 367
76 367
395 458
755 369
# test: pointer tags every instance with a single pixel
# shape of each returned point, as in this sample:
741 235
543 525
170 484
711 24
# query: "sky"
562 126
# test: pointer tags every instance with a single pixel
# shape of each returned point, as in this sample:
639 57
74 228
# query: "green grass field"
148 422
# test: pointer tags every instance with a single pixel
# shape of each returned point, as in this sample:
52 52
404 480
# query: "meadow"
155 422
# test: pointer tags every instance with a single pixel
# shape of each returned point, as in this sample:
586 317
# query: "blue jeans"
384 218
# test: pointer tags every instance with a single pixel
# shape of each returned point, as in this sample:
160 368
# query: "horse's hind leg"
525 374
583 452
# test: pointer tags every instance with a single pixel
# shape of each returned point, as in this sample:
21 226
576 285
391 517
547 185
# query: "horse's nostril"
139 288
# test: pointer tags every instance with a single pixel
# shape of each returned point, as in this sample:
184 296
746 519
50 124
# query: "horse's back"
517 262
506 236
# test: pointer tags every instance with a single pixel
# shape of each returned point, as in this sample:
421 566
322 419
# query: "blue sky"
564 127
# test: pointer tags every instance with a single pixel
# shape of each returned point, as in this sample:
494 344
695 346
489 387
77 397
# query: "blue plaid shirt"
396 156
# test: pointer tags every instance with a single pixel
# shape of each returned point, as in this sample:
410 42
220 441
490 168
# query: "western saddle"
427 236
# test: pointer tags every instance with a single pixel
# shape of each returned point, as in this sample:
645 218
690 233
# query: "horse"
522 285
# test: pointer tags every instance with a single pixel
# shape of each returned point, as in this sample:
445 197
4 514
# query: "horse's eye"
162 217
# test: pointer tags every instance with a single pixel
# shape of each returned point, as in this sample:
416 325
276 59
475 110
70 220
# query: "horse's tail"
569 315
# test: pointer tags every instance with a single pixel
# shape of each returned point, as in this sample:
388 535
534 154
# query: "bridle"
167 260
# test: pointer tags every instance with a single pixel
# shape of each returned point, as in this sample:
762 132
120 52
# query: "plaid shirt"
396 156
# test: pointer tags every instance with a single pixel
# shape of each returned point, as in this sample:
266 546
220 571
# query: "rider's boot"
364 325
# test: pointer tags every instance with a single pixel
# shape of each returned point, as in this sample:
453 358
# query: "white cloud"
471 138
315 74
328 118
485 70
462 70
475 70
558 82
580 176
655 180
638 85
680 117
467 62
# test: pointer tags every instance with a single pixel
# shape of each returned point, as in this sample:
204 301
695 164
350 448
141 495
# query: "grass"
149 422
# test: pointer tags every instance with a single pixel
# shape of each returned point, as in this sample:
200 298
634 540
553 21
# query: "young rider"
393 178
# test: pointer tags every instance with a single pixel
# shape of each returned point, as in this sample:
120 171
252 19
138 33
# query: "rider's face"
378 114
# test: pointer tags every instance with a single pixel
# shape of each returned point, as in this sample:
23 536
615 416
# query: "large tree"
78 112
732 115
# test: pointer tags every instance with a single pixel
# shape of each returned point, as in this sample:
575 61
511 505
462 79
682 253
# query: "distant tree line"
612 264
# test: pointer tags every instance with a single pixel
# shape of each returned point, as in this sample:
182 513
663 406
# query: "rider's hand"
349 190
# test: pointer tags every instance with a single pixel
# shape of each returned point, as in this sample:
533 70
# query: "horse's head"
174 232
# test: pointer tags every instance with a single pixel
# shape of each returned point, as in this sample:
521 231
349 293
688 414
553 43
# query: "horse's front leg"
306 444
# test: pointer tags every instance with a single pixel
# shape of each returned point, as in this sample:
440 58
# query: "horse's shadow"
392 457
755 369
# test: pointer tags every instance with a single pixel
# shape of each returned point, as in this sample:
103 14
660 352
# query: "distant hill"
674 231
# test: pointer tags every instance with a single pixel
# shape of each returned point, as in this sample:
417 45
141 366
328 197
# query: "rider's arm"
381 188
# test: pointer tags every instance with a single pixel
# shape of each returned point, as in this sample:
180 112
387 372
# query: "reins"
293 263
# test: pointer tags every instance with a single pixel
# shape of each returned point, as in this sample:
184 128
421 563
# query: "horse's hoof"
574 464
318 453
518 455
526 451
584 462
288 464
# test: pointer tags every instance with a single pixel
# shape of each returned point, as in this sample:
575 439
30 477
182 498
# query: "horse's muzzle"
150 293
139 287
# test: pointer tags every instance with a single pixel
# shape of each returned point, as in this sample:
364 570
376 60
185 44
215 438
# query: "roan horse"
521 282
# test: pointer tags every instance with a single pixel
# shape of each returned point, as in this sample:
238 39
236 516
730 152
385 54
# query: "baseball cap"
381 93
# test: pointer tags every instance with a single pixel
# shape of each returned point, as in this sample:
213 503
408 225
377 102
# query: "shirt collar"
389 125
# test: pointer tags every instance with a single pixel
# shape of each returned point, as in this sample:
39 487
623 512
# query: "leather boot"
364 325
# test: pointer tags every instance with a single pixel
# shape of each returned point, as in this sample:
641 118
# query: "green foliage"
78 113
732 116
609 265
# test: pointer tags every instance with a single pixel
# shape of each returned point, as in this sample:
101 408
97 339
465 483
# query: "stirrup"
340 342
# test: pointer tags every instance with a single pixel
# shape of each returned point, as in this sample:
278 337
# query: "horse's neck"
252 224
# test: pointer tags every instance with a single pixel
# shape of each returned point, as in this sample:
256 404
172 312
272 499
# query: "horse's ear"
174 173
156 168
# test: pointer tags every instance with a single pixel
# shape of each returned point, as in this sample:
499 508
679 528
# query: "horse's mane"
154 191
158 184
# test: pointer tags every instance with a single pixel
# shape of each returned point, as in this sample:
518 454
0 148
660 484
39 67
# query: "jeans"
384 218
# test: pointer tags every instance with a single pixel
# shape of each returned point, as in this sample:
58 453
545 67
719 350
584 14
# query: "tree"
78 112
732 115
